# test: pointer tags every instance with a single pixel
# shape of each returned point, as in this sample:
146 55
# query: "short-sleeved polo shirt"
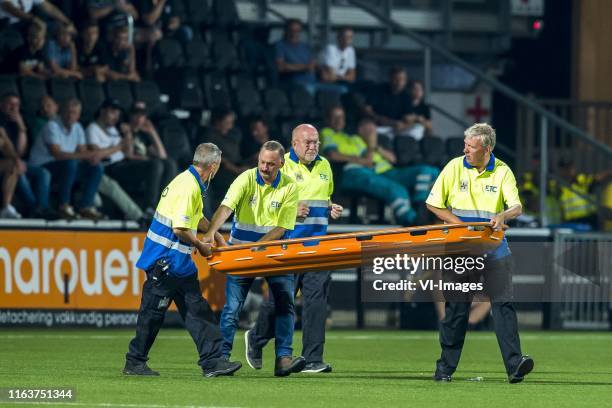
474 196
259 207
180 206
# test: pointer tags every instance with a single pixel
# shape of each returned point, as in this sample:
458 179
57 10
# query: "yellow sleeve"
236 191
288 210
183 211
509 190
330 190
438 195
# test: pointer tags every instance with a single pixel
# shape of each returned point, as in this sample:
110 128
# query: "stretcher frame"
340 251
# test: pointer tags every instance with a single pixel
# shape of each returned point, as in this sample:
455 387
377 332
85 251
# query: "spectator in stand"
338 61
28 59
47 111
17 14
222 133
121 57
61 55
294 58
391 106
368 168
91 52
258 135
147 143
110 14
37 200
139 176
9 170
61 149
419 114
159 18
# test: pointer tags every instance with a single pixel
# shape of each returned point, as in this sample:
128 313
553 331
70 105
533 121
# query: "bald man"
314 179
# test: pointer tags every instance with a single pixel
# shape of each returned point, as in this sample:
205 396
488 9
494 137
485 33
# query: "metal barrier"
581 281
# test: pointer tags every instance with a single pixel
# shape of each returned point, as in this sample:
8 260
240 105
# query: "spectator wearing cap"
61 55
37 198
121 57
91 53
147 143
61 149
140 177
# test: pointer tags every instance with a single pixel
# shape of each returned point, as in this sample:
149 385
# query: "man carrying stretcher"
264 201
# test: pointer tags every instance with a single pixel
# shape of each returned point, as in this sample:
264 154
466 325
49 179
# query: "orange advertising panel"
81 270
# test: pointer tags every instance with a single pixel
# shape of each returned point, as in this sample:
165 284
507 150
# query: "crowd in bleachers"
89 90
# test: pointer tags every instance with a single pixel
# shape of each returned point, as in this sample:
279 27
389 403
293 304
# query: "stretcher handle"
358 235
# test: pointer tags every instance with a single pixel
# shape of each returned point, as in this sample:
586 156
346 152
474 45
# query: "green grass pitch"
371 369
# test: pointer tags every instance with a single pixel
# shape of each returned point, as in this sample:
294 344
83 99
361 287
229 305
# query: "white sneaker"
10 212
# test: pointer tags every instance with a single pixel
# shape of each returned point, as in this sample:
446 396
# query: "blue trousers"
39 178
66 172
395 187
281 288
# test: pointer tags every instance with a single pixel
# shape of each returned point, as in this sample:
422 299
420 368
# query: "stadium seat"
248 102
62 88
32 89
225 13
216 90
407 151
326 99
8 84
434 150
121 91
92 95
148 92
168 55
198 13
197 55
454 146
175 140
277 103
225 54
190 92
303 103
242 81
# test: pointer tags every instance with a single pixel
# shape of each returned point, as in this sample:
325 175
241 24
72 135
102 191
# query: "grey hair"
69 103
484 132
274 146
206 154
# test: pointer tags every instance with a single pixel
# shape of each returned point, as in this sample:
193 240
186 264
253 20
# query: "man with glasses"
314 178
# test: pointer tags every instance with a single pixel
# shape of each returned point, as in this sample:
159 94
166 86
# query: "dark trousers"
315 291
144 178
194 309
65 173
498 286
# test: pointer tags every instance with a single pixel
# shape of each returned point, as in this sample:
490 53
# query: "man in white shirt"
338 61
141 177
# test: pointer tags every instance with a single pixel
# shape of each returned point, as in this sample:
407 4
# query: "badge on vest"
299 177
463 187
491 189
253 201
275 204
324 177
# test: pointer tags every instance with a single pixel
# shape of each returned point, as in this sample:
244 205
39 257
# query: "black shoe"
319 367
287 365
524 368
439 377
253 354
222 367
138 369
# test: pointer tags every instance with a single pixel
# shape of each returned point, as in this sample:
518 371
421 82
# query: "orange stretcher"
346 250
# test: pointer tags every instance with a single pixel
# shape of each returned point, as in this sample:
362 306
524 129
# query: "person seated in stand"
338 61
91 52
121 57
259 134
28 59
61 55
